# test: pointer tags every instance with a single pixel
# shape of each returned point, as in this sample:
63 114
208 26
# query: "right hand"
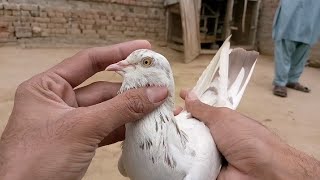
251 150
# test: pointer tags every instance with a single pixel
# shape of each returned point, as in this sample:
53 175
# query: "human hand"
251 150
54 129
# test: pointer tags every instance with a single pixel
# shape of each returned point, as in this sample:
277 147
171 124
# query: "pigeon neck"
151 134
169 102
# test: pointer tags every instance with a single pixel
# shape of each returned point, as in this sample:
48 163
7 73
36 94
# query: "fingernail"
192 96
157 94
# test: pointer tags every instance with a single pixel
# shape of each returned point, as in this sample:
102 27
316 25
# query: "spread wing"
223 82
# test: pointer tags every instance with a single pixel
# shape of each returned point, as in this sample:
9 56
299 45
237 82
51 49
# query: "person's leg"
283 53
299 59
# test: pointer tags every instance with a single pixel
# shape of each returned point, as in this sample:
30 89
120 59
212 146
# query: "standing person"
296 29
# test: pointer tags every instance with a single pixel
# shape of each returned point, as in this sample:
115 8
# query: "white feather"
207 76
235 87
223 77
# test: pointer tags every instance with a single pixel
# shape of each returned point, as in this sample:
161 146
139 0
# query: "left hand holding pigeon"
55 128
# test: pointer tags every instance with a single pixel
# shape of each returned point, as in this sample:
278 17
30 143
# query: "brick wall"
80 21
61 22
265 43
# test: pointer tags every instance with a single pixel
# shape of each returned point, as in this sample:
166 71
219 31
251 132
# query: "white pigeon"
162 146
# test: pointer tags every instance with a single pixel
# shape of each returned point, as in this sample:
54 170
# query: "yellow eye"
147 61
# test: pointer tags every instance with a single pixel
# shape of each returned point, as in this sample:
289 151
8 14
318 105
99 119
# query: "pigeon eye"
147 61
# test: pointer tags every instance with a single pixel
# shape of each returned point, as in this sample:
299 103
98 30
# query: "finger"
127 107
184 92
86 63
114 137
203 112
177 110
96 93
231 172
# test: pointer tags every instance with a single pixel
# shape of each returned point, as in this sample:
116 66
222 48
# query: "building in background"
61 23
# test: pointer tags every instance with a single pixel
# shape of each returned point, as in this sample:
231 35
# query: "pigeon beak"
119 66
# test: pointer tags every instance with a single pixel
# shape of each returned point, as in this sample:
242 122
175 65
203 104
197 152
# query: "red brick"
118 18
58 20
4 35
43 25
74 31
116 33
59 31
89 26
129 33
25 13
89 31
11 6
50 25
10 29
98 26
82 26
4 24
59 14
110 27
8 18
67 14
35 13
58 25
85 21
29 7
102 32
51 13
43 14
16 13
100 13
23 32
103 22
42 20
45 33
8 12
89 16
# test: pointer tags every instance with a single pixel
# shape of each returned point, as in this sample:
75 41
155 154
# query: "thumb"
203 112
127 107
231 172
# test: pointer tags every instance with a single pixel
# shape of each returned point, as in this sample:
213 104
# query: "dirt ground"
295 119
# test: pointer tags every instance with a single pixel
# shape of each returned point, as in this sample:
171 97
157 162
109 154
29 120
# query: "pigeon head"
143 68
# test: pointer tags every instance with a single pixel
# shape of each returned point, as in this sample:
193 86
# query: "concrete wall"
80 21
264 36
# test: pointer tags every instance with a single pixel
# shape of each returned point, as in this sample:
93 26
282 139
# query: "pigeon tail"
223 82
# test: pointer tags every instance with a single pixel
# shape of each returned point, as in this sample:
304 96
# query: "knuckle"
96 64
24 87
135 104
32 85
